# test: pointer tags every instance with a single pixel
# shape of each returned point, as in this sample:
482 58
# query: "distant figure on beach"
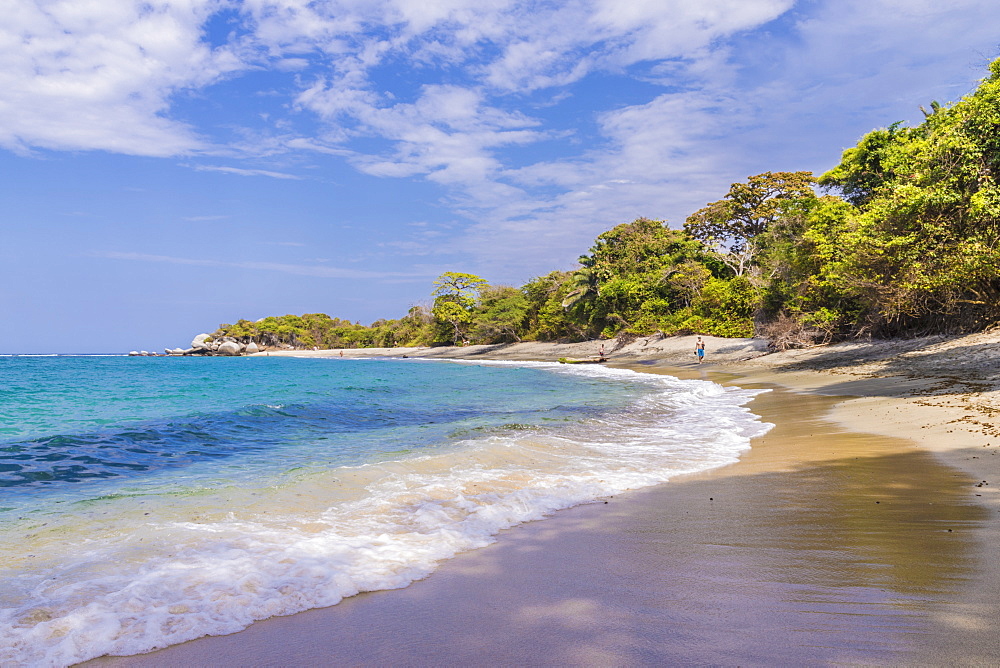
341 353
699 350
601 354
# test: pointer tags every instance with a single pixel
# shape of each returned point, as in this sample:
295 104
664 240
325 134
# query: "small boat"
592 360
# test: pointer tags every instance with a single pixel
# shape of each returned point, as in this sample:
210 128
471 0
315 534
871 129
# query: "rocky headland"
204 344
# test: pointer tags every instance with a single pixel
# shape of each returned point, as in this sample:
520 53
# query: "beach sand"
862 529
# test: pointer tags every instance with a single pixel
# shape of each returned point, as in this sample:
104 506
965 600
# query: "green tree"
686 281
416 328
455 297
726 307
582 285
500 316
624 281
922 250
641 247
547 319
735 225
805 285
869 166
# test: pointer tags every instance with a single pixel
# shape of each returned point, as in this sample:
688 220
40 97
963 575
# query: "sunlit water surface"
148 501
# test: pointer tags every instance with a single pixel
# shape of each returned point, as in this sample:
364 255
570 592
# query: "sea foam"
132 574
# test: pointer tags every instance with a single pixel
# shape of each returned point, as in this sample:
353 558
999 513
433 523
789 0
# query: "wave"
165 569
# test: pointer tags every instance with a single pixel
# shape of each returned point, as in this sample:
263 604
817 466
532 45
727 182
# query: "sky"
170 165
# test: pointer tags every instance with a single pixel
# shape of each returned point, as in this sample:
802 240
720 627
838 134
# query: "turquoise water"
70 420
147 501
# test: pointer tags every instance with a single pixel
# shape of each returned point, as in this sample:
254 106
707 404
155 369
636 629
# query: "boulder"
200 341
252 348
229 348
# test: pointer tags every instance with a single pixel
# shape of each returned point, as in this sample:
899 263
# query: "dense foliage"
904 241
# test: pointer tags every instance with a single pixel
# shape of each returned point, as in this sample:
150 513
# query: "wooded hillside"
899 239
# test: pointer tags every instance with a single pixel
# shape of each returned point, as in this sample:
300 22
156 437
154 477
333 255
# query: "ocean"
149 501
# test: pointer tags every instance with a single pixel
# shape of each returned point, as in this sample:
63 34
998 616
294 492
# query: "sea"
146 501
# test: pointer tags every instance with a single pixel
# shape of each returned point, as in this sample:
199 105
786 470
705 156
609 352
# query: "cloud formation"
297 269
95 75
239 171
539 124
103 75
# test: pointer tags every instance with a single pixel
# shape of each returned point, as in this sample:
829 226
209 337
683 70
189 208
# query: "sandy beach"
862 529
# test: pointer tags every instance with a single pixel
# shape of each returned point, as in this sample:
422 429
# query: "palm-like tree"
583 287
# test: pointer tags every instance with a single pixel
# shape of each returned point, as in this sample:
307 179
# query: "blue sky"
171 165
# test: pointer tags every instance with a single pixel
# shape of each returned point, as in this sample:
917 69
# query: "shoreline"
941 392
847 423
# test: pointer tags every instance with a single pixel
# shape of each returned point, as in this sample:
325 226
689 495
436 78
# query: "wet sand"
823 545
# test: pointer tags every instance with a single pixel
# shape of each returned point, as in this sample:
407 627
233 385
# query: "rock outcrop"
204 344
201 341
229 348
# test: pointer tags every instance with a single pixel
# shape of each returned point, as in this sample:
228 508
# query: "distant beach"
861 529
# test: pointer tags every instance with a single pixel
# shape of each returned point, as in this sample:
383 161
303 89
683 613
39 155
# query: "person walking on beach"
699 350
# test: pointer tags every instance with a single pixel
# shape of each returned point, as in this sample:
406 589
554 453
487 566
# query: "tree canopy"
455 298
735 224
905 241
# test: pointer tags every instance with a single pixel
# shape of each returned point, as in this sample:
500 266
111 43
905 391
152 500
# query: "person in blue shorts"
699 350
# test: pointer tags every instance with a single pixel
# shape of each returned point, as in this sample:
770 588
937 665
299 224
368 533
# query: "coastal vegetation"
901 238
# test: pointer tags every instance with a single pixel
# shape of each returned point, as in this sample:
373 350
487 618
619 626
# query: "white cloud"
100 75
447 133
93 74
662 159
451 91
297 269
561 45
239 171
456 135
786 102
